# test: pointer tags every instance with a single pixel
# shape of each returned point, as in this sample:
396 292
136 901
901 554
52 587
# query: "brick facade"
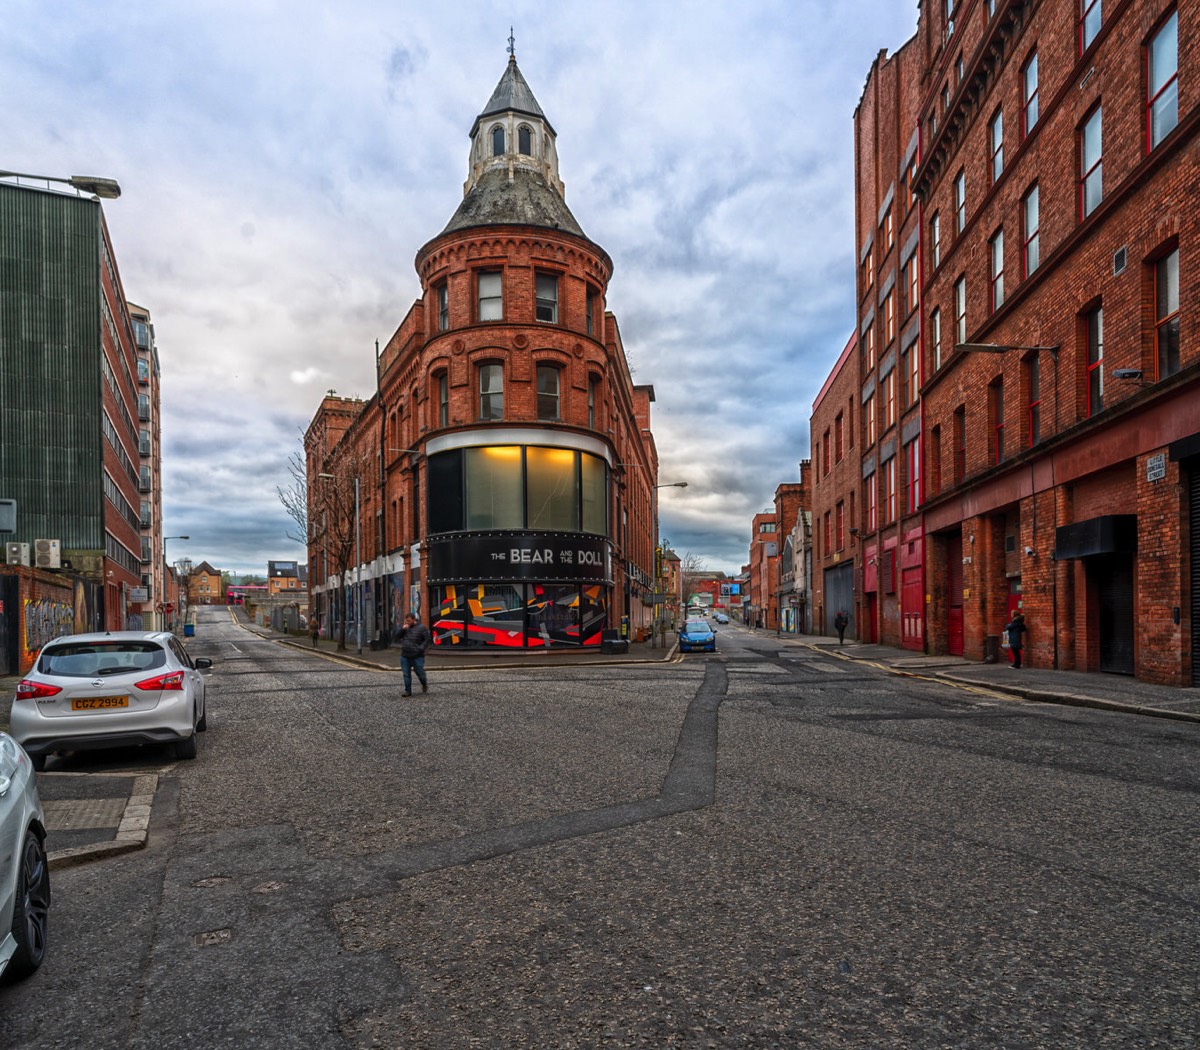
37 606
886 366
205 586
1057 455
489 358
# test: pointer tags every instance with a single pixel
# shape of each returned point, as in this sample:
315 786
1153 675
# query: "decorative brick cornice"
986 64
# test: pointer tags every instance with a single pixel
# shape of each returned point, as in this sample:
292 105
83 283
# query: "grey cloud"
724 202
402 63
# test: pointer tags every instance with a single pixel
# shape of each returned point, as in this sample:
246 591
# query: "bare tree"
692 571
331 516
295 497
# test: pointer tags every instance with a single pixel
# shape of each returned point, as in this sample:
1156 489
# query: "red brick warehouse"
1027 230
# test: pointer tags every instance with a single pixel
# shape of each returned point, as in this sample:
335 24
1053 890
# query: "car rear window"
88 659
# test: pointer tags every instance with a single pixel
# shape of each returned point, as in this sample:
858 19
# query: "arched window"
497 141
524 140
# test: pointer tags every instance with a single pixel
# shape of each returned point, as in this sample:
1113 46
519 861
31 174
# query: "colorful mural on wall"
44 619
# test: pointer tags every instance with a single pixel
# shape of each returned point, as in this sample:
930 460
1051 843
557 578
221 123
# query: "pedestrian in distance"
414 641
1015 628
841 622
315 631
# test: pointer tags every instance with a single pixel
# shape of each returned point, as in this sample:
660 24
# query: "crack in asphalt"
690 784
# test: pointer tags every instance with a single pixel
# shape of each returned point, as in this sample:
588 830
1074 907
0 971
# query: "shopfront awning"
1108 534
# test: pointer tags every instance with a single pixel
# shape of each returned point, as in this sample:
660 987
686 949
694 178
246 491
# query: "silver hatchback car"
24 872
89 691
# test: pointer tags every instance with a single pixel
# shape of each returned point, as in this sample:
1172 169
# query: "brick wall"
842 481
1089 459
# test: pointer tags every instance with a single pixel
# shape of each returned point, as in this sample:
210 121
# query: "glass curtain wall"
539 494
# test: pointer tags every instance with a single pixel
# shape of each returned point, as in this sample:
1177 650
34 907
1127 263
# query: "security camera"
1028 552
1127 373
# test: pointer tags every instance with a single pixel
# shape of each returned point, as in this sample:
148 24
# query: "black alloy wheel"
31 910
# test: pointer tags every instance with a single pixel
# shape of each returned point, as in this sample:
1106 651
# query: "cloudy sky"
282 164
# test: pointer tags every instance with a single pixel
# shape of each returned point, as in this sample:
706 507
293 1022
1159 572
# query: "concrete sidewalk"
1074 688
90 816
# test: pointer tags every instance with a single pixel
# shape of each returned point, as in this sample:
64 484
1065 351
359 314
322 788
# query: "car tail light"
174 680
30 690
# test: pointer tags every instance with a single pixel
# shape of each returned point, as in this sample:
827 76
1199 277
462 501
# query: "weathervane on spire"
512 44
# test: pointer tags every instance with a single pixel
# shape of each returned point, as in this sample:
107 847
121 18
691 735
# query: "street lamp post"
357 570
101 187
658 629
164 540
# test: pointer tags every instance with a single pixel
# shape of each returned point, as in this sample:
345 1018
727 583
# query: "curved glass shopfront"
518 554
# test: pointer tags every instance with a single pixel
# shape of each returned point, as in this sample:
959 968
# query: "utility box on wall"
47 554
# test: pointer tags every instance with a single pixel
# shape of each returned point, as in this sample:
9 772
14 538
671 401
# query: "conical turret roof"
512 94
513 178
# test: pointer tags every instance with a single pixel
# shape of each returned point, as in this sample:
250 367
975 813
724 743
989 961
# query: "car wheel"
202 725
31 910
186 748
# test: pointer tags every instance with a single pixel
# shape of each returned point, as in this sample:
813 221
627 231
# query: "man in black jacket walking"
1015 628
414 640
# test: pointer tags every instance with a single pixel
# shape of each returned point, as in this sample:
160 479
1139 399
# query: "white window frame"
546 297
490 287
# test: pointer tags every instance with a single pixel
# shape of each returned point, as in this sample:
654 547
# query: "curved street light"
101 187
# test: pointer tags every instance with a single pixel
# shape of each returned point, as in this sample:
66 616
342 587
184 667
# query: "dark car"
697 635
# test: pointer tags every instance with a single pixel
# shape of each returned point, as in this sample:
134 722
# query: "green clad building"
78 427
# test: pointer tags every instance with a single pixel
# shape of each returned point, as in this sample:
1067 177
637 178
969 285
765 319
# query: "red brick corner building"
506 465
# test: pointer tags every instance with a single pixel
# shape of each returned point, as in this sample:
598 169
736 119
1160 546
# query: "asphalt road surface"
769 847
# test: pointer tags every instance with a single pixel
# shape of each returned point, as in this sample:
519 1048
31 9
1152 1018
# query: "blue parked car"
696 634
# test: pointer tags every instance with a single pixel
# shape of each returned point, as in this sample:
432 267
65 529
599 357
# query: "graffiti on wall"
46 618
85 613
